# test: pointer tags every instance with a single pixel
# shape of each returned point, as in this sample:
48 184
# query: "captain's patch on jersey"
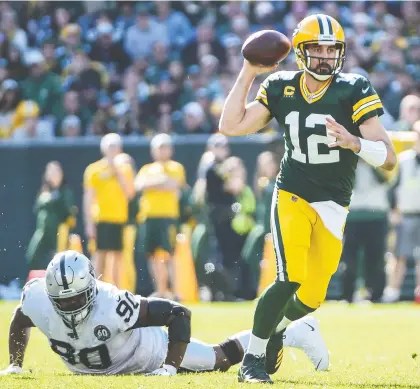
102 333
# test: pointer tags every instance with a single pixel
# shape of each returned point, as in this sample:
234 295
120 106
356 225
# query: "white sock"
283 324
257 346
243 338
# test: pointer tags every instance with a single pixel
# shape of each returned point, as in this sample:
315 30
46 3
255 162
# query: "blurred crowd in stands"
74 68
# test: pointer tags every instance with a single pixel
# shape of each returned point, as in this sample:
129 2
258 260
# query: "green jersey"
309 168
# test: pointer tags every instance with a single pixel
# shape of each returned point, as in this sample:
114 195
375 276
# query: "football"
266 47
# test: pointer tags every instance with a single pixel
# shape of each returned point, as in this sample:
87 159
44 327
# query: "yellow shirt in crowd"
111 205
156 203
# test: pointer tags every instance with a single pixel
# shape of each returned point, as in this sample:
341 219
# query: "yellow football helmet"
322 30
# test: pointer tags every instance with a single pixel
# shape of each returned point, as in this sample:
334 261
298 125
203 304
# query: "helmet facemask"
305 60
74 308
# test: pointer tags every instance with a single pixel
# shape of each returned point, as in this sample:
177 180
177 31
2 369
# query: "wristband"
373 152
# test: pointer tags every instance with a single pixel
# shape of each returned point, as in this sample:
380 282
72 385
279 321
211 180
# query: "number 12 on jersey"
313 157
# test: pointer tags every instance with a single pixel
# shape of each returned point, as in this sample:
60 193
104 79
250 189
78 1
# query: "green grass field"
371 347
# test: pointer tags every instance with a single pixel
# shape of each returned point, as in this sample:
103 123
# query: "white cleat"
307 337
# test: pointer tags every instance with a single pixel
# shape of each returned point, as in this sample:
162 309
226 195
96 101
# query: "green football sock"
295 309
271 306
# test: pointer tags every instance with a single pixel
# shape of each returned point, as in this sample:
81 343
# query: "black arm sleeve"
156 312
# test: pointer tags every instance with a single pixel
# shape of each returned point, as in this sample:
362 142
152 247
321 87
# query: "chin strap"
73 327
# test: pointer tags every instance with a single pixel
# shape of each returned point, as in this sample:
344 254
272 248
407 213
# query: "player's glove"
11 369
165 370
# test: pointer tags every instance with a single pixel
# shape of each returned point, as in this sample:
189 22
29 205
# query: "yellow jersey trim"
364 101
367 110
313 97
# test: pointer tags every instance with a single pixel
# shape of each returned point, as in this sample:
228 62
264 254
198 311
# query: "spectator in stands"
61 19
42 87
71 127
378 13
234 57
72 106
191 85
9 100
160 184
51 62
17 36
71 37
265 16
109 53
382 80
409 113
413 53
406 194
108 189
55 215
16 68
125 19
70 41
204 43
177 73
82 71
159 62
141 37
166 94
164 41
27 123
178 25
411 18
104 120
209 66
366 229
204 98
194 120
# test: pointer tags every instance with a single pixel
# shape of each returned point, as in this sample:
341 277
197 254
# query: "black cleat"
252 370
274 352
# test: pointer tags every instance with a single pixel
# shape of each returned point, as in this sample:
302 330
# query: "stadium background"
168 83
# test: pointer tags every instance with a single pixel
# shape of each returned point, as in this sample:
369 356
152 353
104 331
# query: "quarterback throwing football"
98 329
330 120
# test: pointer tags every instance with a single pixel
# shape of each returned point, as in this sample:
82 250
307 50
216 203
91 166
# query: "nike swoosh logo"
312 328
317 366
365 90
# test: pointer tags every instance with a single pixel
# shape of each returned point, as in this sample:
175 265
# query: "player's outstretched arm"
18 340
238 117
375 147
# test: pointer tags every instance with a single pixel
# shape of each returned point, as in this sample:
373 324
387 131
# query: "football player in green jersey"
331 119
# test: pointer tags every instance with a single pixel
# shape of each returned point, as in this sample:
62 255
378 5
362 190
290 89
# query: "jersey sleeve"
31 298
142 172
89 178
366 102
262 95
127 308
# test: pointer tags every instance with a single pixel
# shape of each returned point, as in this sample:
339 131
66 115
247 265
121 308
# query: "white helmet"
71 286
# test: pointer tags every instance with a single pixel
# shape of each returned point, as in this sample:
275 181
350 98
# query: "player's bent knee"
313 299
228 353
